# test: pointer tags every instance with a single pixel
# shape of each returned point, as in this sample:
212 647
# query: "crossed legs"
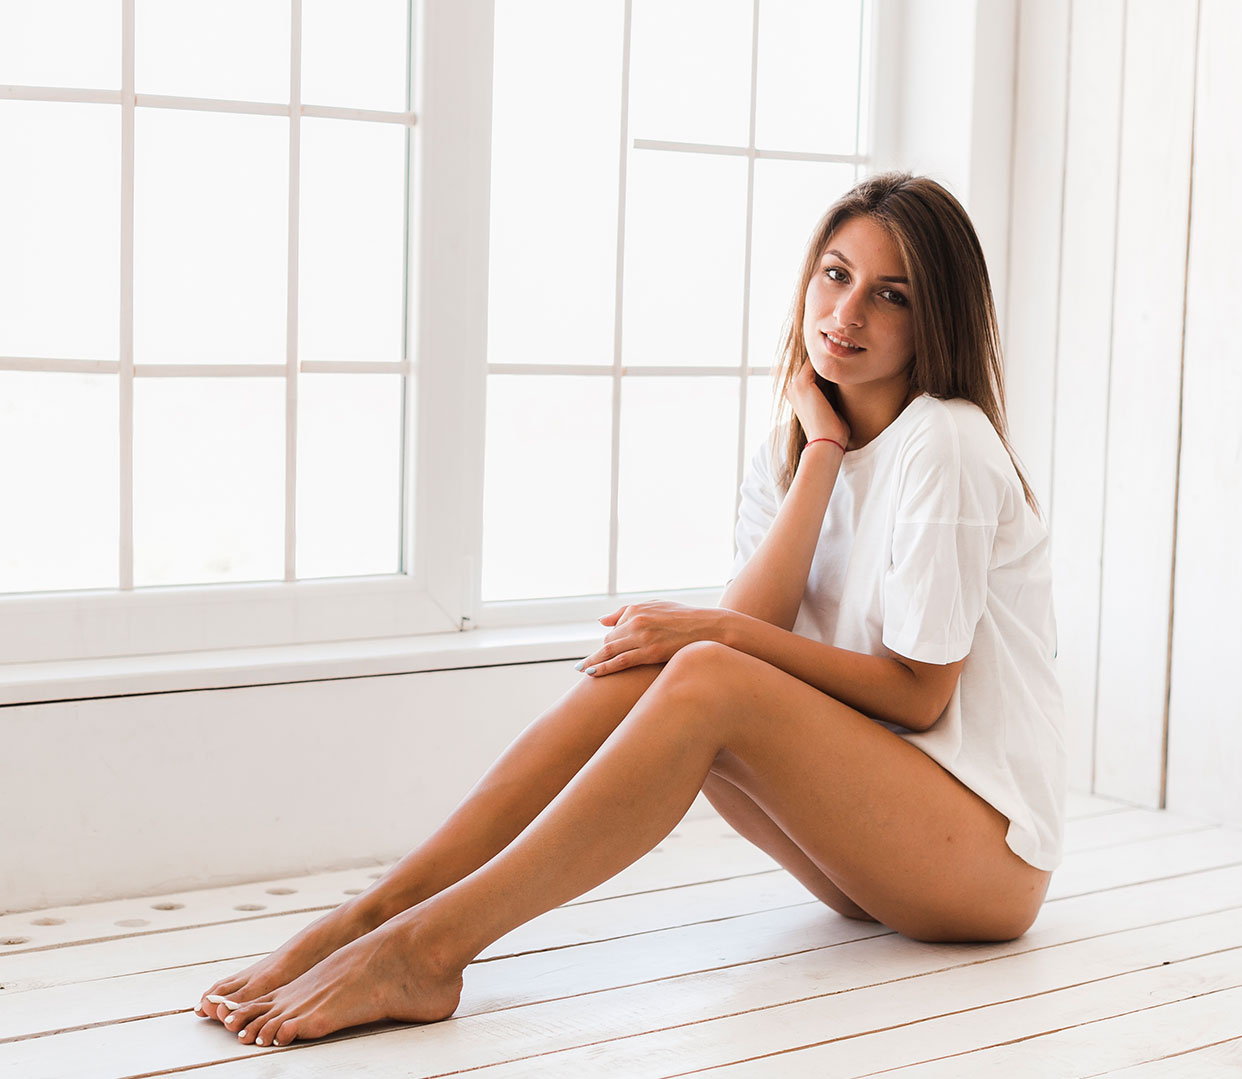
867 821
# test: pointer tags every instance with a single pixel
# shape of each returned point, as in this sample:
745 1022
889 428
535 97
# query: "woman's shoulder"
951 430
950 446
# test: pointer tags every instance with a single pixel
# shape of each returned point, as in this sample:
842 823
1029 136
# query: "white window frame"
438 589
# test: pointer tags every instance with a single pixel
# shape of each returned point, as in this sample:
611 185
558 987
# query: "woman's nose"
849 309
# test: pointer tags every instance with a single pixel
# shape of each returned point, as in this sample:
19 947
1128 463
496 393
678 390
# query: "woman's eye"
894 297
835 273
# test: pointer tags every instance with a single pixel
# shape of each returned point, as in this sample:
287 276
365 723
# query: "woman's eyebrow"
895 278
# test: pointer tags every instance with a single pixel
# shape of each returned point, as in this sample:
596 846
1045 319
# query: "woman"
872 703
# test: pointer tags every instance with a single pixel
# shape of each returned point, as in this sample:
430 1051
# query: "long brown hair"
957 350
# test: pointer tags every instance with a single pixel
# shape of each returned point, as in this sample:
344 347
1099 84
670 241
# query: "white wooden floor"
701 958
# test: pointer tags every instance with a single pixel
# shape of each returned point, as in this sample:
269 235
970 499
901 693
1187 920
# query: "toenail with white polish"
258 1041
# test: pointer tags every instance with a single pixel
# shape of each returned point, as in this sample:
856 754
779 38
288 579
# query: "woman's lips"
840 346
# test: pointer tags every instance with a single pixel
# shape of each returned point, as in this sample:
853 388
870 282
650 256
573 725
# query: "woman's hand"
643 633
817 416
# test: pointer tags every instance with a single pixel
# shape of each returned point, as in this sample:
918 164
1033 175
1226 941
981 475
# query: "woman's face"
858 326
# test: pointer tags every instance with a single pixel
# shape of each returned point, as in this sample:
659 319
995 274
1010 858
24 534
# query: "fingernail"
590 670
578 666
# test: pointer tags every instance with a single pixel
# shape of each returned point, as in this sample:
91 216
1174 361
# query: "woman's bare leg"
523 780
898 834
745 817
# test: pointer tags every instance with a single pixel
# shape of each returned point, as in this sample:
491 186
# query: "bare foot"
296 956
391 973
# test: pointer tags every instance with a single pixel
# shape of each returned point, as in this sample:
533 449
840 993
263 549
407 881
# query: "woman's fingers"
612 619
617 663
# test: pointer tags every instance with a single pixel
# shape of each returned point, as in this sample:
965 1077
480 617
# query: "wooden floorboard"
702 958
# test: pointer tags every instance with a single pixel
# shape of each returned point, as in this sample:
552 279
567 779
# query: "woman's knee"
704 663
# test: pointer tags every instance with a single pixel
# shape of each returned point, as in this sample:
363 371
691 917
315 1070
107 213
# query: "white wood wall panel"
1205 716
1083 351
1148 307
167 790
1035 234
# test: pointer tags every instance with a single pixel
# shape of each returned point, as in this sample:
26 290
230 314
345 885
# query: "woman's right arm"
770 585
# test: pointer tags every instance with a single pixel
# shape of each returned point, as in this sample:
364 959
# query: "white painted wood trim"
1144 400
1083 360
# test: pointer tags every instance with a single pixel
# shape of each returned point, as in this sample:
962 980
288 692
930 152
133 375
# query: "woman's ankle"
382 901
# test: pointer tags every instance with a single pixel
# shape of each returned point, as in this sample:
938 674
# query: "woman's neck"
868 411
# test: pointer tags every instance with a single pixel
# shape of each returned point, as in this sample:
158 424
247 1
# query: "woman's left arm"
891 688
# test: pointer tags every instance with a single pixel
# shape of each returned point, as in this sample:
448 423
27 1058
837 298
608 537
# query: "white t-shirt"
929 550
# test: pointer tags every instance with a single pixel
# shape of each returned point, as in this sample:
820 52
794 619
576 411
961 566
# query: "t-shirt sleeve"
945 523
758 507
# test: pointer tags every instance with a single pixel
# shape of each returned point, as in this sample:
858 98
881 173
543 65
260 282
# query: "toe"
267 1032
285 1032
244 1021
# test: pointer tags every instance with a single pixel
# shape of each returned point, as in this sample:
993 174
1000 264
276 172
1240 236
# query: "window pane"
61 43
807 89
210 237
234 49
59 230
760 414
690 71
58 486
208 480
685 233
790 198
678 482
546 495
555 164
352 249
355 54
349 475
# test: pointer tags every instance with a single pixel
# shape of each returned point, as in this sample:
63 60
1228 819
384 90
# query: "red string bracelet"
832 440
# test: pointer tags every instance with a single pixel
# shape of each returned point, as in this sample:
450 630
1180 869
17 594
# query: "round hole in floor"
354 891
10 941
376 876
132 923
48 921
282 891
250 906
167 906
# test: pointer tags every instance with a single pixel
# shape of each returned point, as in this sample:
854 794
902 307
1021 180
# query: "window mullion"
454 178
125 394
291 312
619 307
744 350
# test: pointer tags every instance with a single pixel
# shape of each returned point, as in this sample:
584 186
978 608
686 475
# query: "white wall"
1124 379
135 795
943 93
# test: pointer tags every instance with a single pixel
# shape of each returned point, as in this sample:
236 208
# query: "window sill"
122 676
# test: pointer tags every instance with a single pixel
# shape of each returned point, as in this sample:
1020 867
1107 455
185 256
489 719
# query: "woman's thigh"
900 836
742 814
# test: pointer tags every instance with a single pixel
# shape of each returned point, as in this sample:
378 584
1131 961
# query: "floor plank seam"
1169 1056
881 1030
1113 845
1048 1033
1105 889
642 933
